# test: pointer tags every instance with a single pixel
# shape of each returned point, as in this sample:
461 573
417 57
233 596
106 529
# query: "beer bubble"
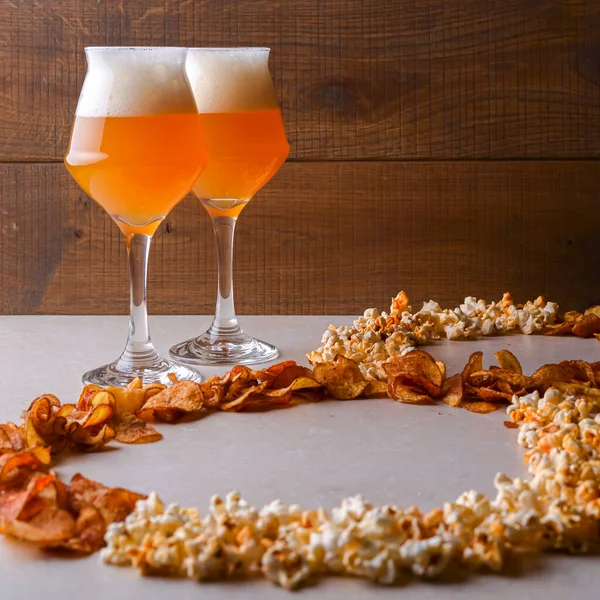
231 79
127 82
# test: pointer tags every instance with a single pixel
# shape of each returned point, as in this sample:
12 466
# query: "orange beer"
122 164
136 144
245 148
241 123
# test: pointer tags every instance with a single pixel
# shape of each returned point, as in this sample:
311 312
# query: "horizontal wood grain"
320 238
377 79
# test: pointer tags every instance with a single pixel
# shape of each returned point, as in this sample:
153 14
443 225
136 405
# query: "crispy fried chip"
132 398
442 367
47 528
507 360
452 390
417 363
474 364
11 439
480 407
132 430
113 503
245 399
587 325
560 328
402 393
341 378
492 395
88 537
488 378
85 398
417 382
175 401
546 375
376 388
578 370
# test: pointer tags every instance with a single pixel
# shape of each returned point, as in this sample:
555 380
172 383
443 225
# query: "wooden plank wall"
445 148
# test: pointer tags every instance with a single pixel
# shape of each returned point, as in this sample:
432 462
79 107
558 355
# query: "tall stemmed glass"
246 144
136 148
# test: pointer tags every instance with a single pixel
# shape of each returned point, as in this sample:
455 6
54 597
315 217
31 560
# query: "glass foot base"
118 374
209 350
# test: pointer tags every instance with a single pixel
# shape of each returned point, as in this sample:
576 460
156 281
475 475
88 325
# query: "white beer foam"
128 82
231 79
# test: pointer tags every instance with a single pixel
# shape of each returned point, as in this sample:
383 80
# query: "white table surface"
311 454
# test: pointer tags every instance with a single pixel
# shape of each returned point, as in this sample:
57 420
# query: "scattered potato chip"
341 378
376 388
578 370
130 429
174 401
560 328
131 398
417 363
507 360
11 439
480 407
587 325
402 393
474 364
453 391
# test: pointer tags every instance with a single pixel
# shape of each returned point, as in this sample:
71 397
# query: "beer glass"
136 148
246 144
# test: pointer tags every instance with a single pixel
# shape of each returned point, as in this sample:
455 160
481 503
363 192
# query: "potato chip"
492 395
130 429
480 407
474 364
507 360
87 393
546 375
578 370
47 528
417 363
113 503
560 328
174 401
453 391
376 388
442 368
488 378
244 399
587 325
11 439
341 378
130 399
417 382
88 537
402 393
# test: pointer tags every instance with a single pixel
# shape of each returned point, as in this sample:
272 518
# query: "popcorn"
376 338
557 508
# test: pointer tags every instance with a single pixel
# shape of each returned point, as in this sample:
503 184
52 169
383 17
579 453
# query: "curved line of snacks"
377 337
555 410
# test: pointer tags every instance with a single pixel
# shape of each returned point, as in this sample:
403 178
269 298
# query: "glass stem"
225 323
139 348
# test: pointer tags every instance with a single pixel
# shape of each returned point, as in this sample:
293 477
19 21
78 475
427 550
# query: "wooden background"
444 147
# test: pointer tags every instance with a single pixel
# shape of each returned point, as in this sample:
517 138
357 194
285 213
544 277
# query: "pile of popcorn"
377 337
558 508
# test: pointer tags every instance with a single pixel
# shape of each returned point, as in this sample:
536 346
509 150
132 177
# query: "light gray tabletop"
313 455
